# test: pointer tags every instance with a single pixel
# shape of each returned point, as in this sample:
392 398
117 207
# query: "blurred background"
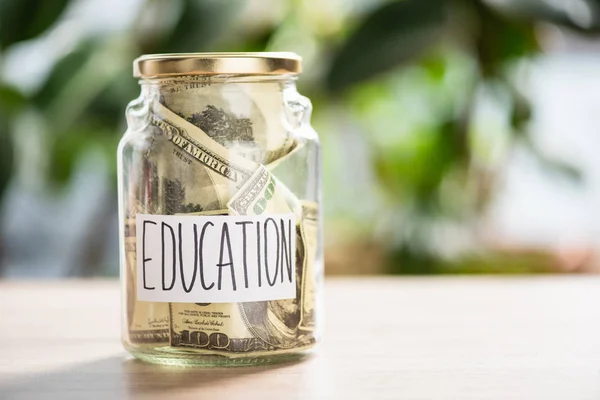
459 136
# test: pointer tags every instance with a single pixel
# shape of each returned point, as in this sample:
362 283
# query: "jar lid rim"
259 63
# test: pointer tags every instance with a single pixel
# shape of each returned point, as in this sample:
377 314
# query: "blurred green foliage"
377 60
417 173
26 19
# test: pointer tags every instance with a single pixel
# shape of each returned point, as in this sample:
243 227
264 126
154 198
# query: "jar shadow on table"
125 377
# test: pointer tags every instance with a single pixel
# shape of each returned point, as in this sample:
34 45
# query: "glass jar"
220 211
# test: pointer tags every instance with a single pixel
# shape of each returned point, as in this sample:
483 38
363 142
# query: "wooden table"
393 338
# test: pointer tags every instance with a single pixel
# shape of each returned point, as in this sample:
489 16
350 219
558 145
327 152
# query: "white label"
215 259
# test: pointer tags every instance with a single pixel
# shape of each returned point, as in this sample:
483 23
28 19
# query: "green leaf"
520 113
550 163
87 83
394 34
62 72
258 42
582 15
557 166
68 148
418 169
83 102
501 39
26 19
11 100
108 108
6 154
202 23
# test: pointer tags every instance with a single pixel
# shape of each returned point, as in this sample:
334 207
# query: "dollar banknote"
310 285
148 323
248 118
223 163
262 194
279 322
277 125
205 164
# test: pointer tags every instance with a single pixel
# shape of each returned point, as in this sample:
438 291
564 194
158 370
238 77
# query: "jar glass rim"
262 63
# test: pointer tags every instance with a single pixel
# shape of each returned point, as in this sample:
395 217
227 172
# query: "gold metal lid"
163 65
